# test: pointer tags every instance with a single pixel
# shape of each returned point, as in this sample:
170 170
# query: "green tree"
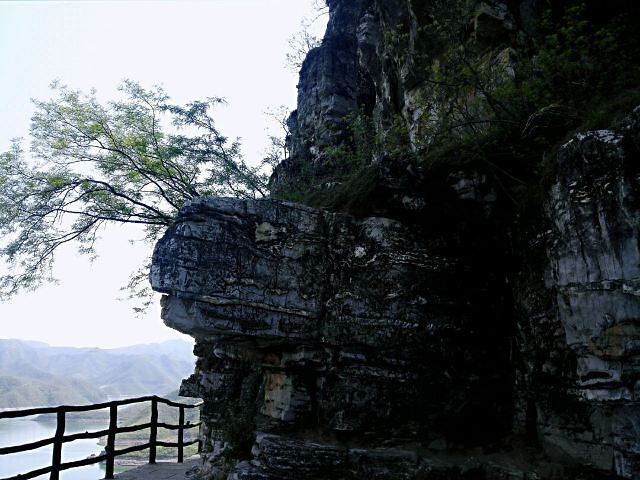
94 164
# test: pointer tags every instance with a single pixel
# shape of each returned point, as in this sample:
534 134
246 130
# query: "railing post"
111 439
56 459
181 435
200 431
153 436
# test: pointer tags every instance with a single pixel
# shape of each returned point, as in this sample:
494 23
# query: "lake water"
20 431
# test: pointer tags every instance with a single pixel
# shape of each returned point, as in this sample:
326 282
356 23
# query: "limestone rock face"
332 85
372 62
350 341
594 273
576 387
456 340
354 327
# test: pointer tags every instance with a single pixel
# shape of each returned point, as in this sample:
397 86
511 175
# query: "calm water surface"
20 431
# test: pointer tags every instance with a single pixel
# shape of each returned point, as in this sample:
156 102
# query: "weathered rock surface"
577 331
451 341
332 85
366 345
363 327
595 272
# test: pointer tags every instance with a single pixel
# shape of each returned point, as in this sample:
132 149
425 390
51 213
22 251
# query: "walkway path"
160 471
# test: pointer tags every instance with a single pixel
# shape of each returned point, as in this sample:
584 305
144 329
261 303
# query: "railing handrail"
60 438
94 406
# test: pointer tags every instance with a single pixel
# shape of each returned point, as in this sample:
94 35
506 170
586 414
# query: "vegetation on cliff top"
495 97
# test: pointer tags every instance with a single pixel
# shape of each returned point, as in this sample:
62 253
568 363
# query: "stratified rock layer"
595 276
352 341
454 341
360 327
576 290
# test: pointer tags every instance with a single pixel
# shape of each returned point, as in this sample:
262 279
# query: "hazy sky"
229 48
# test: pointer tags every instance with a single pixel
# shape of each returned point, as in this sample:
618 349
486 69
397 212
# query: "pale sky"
195 49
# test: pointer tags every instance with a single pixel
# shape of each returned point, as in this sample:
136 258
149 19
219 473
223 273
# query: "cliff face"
593 261
358 327
440 332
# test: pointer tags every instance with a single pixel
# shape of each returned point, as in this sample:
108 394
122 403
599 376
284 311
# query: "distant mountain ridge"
37 374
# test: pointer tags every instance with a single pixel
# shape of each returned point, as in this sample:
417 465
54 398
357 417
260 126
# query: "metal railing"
110 452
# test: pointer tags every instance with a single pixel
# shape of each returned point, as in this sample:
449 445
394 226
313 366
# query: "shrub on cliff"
486 94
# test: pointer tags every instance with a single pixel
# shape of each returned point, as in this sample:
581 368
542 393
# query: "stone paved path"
160 471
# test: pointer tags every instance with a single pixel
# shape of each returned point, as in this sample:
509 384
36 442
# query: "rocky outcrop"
352 341
578 314
332 85
442 333
362 329
594 265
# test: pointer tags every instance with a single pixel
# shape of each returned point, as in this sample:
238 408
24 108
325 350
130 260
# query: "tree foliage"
301 42
505 99
94 164
299 45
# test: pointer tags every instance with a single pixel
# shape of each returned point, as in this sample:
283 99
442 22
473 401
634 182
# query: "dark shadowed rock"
458 339
595 274
353 326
